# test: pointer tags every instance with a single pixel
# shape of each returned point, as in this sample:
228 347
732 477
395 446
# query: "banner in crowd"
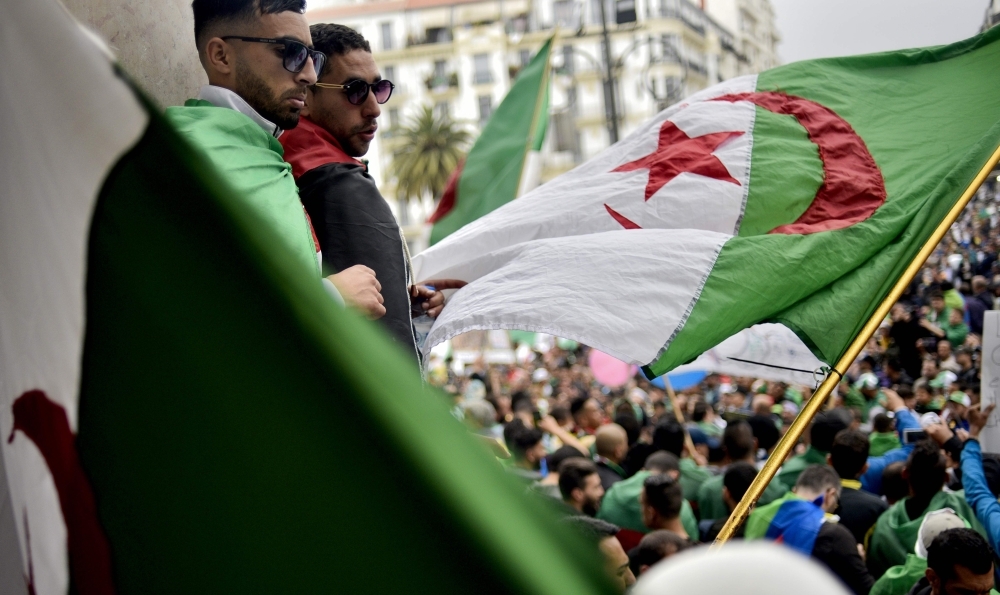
990 374
504 161
183 408
797 196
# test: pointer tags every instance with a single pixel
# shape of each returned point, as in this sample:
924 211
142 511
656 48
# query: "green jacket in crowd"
620 506
692 476
883 442
711 505
895 532
790 471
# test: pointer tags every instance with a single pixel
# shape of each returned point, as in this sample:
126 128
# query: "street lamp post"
610 101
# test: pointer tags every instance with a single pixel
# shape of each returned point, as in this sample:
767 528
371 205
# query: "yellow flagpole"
788 441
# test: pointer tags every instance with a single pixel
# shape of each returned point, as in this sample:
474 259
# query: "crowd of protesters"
888 488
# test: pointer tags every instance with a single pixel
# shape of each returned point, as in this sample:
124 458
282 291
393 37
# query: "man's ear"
933 579
829 461
219 57
577 495
864 470
643 568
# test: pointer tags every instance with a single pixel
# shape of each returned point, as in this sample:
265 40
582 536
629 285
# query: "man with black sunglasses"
353 222
259 59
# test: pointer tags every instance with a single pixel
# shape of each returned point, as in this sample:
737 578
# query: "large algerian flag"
183 409
796 196
503 162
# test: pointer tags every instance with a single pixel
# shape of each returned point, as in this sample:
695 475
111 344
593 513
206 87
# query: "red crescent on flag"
853 187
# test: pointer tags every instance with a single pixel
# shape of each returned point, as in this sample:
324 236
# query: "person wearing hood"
899 580
895 533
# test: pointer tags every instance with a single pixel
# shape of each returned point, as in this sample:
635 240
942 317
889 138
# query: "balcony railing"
441 82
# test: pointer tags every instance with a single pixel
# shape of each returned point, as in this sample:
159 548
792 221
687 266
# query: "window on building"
481 63
442 109
393 118
438 35
525 57
567 56
389 74
572 101
671 48
386 29
439 69
564 13
485 109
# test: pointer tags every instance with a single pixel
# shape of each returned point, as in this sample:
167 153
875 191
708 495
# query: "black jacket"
355 226
859 510
837 549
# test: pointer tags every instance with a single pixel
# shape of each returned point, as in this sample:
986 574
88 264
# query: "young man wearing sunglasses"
352 221
259 60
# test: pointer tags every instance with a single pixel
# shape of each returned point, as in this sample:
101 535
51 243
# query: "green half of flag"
492 172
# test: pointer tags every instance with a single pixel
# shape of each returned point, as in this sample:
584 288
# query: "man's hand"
433 300
549 424
361 290
940 433
978 418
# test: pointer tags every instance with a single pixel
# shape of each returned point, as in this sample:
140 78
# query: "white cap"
750 568
935 523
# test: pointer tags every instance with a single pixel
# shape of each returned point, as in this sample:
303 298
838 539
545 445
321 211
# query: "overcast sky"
822 28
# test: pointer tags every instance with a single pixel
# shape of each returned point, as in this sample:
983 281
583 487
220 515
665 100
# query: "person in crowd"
968 373
946 356
735 483
260 60
979 492
894 375
905 333
899 580
580 486
549 485
766 433
661 500
621 502
669 436
602 534
959 562
858 510
895 533
821 433
353 223
883 437
894 484
977 305
611 444
740 446
705 419
655 546
526 450
803 521
588 416
955 411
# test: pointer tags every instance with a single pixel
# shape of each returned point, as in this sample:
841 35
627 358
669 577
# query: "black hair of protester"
209 12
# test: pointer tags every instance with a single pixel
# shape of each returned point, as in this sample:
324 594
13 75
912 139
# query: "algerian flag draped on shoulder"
504 155
183 408
796 196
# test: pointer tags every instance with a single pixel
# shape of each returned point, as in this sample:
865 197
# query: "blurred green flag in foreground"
184 409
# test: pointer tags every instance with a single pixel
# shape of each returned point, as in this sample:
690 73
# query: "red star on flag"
677 153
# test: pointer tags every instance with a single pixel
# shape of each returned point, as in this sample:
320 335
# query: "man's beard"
357 148
590 508
254 90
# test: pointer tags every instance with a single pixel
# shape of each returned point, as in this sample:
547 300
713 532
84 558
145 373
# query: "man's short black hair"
738 478
959 547
593 529
700 411
520 438
882 423
669 436
849 453
576 405
927 468
818 478
738 440
664 494
764 430
631 425
561 454
825 427
336 40
662 461
208 13
655 546
573 474
894 486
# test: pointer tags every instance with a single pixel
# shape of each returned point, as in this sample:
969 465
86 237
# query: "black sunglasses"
296 53
357 91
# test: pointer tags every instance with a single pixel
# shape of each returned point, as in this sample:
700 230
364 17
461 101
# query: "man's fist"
361 290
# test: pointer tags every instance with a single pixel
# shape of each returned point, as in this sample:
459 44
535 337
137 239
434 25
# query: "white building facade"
462 55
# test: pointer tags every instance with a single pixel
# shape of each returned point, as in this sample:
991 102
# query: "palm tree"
430 150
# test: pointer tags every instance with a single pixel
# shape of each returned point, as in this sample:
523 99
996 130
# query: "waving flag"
183 409
797 197
504 156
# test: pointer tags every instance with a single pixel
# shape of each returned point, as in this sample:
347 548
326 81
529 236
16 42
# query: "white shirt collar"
222 97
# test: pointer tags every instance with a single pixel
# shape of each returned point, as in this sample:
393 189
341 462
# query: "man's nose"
370 108
308 75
